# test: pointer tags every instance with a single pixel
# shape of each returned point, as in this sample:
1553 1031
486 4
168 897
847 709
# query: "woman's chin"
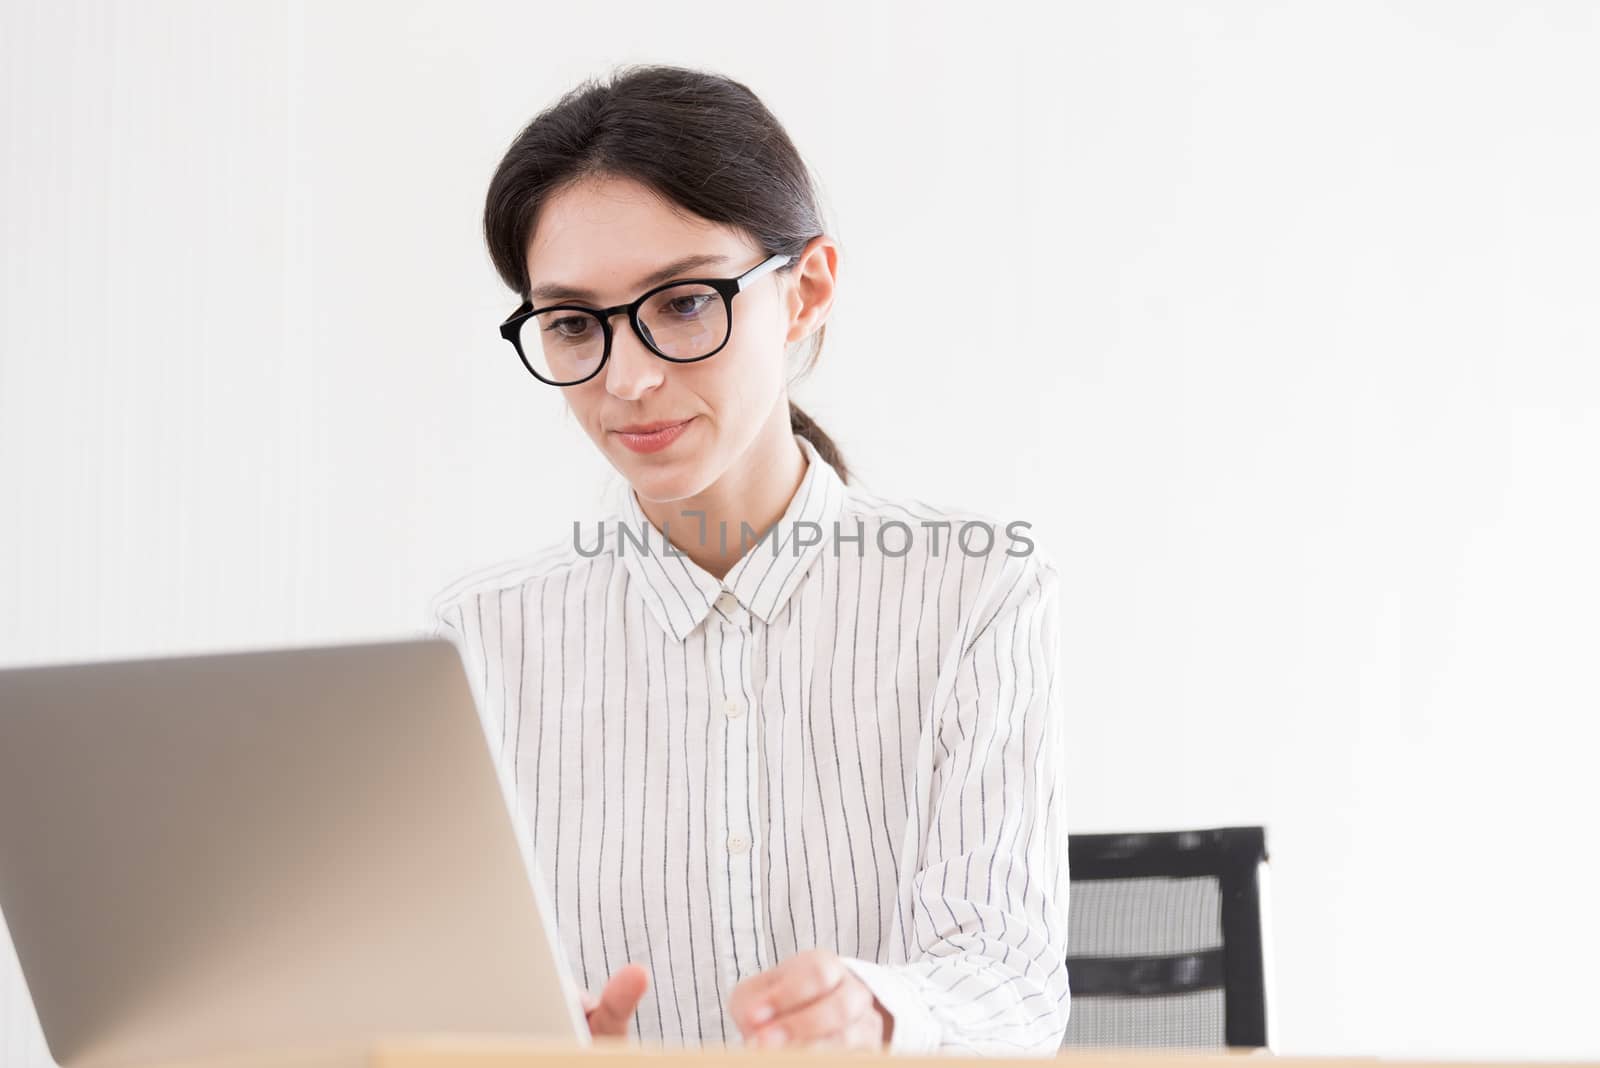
656 478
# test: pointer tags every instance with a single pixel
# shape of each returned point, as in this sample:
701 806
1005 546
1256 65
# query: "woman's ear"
811 289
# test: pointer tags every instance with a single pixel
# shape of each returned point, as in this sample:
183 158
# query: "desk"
460 1052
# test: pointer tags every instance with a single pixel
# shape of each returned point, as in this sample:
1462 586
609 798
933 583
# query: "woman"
804 789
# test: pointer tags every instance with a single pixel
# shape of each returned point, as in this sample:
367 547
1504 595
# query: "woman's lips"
655 440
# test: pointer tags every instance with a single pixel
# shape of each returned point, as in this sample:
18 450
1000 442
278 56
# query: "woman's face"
602 238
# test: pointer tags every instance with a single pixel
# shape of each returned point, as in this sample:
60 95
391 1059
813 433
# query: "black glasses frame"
727 288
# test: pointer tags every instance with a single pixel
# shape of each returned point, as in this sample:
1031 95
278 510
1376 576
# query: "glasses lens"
563 345
685 322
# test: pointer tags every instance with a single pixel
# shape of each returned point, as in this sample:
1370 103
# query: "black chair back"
1165 933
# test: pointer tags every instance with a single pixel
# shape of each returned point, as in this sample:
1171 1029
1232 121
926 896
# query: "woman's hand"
810 999
609 1013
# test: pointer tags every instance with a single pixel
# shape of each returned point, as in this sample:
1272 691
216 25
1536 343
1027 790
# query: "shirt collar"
680 593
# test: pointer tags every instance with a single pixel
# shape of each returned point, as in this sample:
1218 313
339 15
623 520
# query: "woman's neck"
755 491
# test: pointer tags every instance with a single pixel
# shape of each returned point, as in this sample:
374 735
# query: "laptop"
269 849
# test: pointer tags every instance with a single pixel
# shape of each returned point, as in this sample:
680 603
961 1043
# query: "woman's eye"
687 306
571 327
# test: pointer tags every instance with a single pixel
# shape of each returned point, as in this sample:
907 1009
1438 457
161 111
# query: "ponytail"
806 427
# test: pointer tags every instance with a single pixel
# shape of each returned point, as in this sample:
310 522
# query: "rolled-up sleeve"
987 965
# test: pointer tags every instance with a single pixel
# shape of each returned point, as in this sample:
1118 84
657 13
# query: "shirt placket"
742 843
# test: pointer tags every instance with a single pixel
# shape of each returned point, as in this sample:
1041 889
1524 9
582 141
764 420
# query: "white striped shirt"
854 748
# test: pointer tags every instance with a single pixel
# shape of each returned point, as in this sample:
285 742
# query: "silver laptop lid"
204 854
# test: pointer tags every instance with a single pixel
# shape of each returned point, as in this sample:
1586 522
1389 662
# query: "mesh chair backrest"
1164 937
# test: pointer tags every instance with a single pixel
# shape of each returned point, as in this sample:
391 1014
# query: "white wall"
1286 344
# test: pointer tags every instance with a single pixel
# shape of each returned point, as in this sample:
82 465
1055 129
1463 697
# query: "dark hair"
699 140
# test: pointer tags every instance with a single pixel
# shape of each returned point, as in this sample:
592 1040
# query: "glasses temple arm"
771 263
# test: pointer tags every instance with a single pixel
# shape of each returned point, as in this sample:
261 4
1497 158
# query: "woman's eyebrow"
556 291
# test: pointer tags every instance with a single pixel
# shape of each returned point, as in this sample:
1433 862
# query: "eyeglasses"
683 321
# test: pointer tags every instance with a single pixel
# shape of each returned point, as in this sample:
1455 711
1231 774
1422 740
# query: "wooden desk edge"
457 1051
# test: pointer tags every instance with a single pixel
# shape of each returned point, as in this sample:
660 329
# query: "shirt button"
738 843
727 601
733 708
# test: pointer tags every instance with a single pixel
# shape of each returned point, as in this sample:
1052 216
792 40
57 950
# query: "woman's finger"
618 1000
827 1017
802 979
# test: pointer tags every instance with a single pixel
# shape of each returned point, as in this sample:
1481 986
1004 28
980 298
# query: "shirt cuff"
915 1028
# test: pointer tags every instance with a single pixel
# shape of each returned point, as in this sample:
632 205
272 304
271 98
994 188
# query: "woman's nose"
632 369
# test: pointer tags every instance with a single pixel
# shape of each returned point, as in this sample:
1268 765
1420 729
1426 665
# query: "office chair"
1165 938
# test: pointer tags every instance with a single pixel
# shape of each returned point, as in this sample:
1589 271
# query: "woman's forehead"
615 238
